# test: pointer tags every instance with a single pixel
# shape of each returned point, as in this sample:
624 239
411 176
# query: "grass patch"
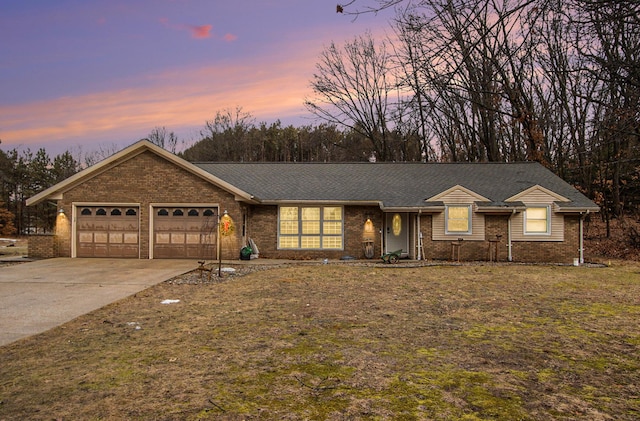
346 342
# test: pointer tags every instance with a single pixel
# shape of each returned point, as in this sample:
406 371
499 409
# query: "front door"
397 232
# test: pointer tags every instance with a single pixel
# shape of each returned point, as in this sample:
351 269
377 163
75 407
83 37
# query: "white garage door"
108 231
184 232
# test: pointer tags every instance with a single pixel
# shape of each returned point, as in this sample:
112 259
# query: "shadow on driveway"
37 296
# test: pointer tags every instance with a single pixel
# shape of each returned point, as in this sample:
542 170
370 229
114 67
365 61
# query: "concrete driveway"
37 296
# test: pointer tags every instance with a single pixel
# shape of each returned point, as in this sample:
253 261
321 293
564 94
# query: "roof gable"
458 194
538 194
130 152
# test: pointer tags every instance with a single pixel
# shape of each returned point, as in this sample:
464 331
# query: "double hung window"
536 220
458 219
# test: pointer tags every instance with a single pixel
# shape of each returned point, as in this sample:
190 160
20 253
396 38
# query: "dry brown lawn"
341 341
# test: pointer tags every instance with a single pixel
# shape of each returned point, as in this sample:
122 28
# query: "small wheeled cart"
392 256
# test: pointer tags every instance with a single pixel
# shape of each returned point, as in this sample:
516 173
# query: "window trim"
526 219
321 235
469 219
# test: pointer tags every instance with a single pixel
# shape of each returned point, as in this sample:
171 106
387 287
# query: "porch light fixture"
368 227
61 211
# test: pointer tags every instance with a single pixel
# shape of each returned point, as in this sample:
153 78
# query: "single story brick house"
144 202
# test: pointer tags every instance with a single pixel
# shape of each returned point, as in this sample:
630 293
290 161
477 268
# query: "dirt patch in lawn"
473 342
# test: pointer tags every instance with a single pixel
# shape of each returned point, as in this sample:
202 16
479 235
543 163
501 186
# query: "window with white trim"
310 227
458 219
537 220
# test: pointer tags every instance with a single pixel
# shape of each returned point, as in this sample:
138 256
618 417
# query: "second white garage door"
184 232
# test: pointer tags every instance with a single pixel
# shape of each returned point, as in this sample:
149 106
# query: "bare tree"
613 54
225 138
471 63
161 137
356 8
97 154
352 86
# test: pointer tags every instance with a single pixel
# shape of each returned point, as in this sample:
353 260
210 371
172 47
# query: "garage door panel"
193 238
116 238
131 238
177 238
123 250
100 237
162 251
100 250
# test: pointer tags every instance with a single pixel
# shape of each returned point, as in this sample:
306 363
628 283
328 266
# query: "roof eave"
435 207
576 209
499 207
499 210
320 202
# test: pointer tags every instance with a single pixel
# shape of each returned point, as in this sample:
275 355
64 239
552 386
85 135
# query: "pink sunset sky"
79 74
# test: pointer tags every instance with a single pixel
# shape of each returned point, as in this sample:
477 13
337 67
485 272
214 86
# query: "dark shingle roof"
391 184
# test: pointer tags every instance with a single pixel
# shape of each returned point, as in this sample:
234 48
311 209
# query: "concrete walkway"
37 296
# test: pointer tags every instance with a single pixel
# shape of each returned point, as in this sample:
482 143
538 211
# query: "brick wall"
149 178
263 229
522 251
42 246
551 251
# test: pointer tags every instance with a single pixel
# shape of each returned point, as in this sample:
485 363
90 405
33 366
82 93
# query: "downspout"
581 239
382 228
419 235
509 244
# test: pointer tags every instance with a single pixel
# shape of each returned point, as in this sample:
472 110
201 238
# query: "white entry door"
397 232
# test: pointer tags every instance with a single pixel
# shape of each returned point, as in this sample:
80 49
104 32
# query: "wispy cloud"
271 85
230 37
184 98
199 32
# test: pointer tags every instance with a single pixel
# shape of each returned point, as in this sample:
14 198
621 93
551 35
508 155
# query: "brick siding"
522 251
42 246
145 179
263 229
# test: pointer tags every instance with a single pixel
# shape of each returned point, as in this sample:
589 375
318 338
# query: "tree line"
22 175
553 81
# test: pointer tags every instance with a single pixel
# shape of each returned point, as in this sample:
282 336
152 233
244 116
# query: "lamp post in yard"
221 231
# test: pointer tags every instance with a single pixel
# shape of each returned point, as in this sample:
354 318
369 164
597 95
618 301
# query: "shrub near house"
6 221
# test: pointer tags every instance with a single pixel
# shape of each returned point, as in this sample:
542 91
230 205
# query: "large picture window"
310 227
536 220
458 219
